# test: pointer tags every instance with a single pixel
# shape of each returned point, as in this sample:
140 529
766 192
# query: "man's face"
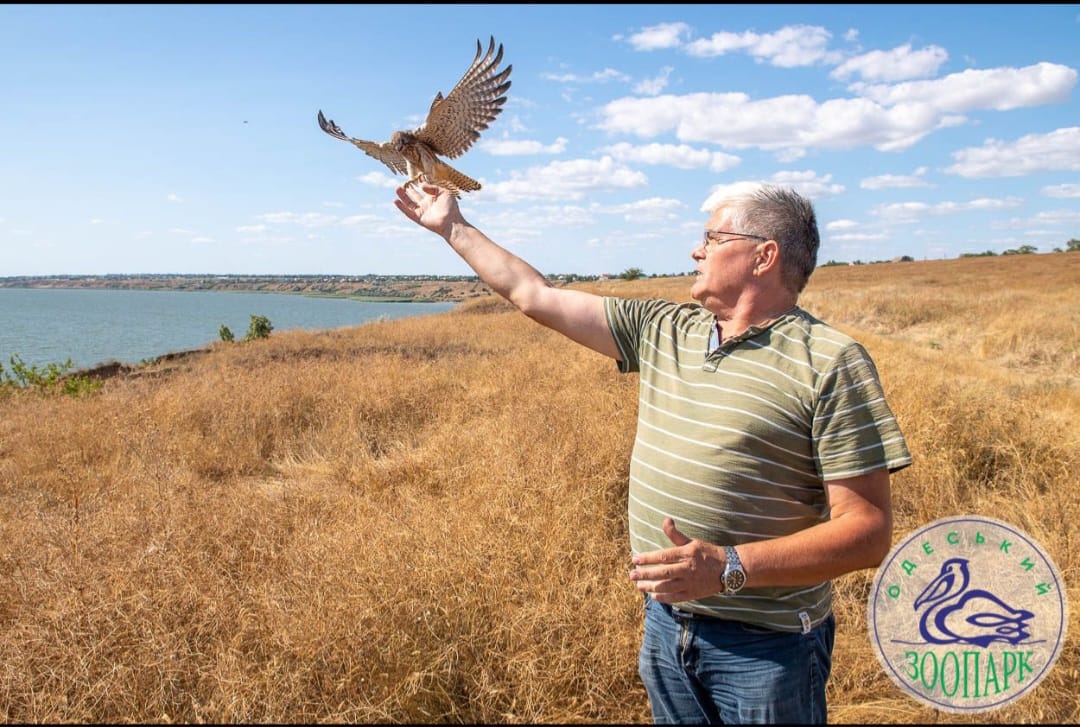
724 262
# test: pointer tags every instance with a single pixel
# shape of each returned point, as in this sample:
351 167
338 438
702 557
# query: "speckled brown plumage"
453 124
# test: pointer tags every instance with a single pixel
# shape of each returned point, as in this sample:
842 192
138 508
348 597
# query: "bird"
453 124
955 615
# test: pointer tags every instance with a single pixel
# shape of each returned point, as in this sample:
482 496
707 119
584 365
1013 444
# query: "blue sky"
183 138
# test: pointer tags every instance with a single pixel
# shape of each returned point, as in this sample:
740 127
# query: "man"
761 465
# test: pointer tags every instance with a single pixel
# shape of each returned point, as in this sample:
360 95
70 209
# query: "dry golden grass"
424 520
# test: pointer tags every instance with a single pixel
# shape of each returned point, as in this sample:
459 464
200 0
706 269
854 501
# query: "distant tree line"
1072 245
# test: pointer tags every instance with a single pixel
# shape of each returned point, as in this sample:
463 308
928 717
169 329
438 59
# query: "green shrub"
53 377
259 327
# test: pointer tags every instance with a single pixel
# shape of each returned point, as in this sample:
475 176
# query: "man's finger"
656 572
668 555
664 587
673 533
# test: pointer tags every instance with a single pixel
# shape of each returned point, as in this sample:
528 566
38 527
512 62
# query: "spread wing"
455 122
383 152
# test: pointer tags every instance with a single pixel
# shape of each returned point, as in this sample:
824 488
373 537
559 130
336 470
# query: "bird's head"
400 139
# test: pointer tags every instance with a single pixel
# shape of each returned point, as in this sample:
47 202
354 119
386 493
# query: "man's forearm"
502 271
857 536
817 554
576 314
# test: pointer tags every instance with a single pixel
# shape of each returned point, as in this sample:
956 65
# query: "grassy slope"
424 519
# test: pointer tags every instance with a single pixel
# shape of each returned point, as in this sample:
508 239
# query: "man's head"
774 213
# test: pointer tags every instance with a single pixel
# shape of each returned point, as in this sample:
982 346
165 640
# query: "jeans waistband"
682 615
679 613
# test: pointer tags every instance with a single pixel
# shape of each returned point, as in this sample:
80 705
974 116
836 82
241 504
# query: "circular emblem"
967 614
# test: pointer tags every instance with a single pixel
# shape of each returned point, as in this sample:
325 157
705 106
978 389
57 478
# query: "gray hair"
781 214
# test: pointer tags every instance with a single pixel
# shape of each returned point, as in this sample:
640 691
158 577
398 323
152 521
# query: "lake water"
92 326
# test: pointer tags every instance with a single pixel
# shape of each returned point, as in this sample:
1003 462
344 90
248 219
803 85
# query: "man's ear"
767 257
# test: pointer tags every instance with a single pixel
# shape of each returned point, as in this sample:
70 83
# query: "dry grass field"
424 520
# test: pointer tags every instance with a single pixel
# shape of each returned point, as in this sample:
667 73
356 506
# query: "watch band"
734 577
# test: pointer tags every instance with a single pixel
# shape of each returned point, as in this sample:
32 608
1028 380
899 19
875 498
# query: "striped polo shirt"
736 441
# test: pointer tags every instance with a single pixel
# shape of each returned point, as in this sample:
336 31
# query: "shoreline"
367 288
305 294
114 330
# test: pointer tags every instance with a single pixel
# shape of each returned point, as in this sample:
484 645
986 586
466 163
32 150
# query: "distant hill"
437 288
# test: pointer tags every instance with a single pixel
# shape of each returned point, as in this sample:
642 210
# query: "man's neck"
760 314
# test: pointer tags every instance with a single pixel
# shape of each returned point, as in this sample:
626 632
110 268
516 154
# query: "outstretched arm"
576 314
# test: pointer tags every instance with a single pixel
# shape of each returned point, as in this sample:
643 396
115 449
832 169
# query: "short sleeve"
628 318
855 431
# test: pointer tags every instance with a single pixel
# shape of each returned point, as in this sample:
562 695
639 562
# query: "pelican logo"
967 614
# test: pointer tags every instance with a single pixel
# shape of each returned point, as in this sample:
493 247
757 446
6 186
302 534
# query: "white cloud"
381 179
511 147
566 180
899 64
720 192
857 237
896 181
653 86
659 37
649 210
303 219
679 156
1057 151
174 198
542 216
1062 191
841 225
787 156
1000 89
789 47
1058 217
361 220
1044 223
902 211
783 123
807 183
514 124
910 212
608 74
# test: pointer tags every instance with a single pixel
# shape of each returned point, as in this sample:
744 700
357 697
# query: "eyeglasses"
711 240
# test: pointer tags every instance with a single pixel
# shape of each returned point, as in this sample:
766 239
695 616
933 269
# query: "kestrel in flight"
453 123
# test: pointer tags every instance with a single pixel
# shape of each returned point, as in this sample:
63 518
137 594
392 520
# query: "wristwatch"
734 577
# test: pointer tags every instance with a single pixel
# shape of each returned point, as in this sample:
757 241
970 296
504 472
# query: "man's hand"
688 571
429 206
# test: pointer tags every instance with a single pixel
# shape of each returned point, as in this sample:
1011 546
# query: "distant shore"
375 288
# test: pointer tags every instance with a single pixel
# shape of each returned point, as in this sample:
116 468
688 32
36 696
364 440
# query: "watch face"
734 580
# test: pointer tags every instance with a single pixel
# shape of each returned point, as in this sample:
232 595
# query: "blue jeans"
712 671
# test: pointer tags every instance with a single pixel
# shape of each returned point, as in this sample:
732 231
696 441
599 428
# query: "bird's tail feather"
446 176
